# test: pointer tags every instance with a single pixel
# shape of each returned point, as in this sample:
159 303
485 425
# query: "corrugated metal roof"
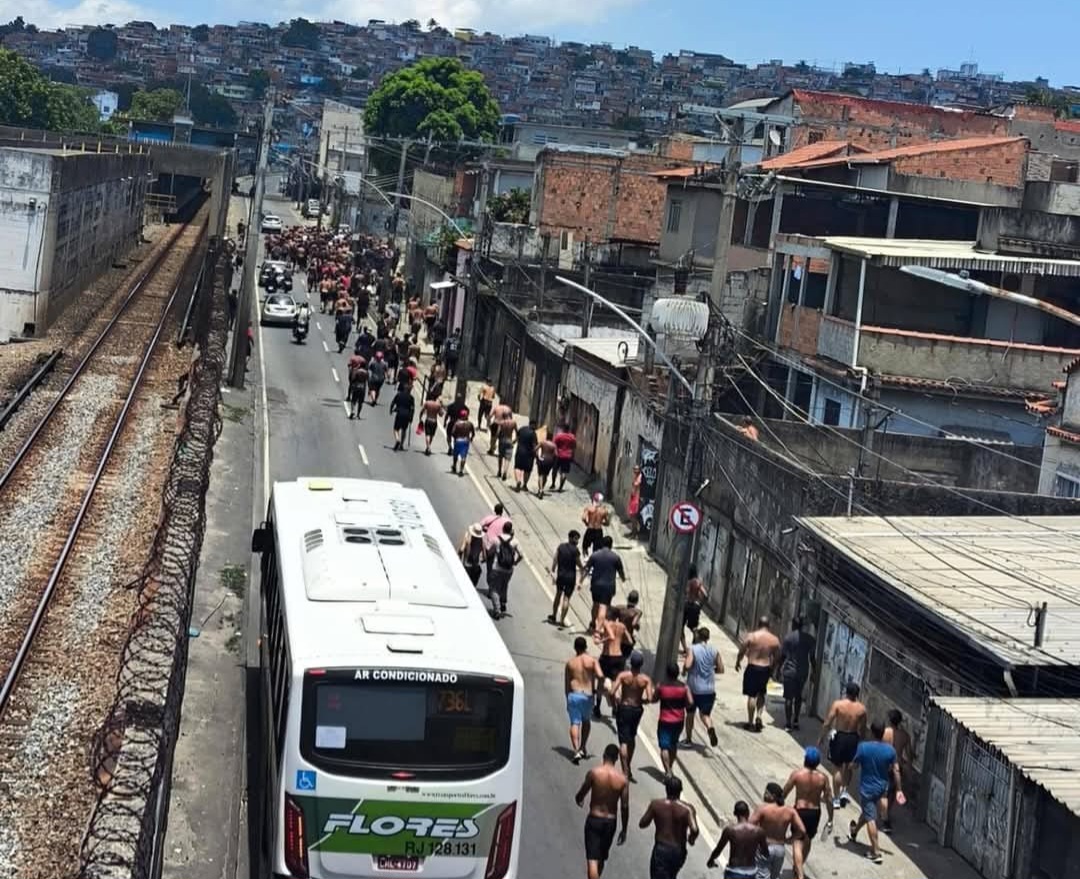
880 157
1040 737
608 349
896 252
979 574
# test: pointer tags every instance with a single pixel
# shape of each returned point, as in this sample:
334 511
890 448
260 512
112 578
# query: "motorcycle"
300 331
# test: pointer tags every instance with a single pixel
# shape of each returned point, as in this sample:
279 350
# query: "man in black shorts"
602 567
402 408
566 571
609 790
612 637
631 691
525 455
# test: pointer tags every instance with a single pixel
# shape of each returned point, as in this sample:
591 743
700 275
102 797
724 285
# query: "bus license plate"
397 862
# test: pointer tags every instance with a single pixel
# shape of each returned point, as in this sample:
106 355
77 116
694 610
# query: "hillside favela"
427 451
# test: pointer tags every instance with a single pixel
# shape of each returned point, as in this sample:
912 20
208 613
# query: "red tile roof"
906 108
683 173
1042 407
1071 125
823 149
1072 365
1062 433
880 157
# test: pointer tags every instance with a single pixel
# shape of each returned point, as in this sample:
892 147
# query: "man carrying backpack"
472 552
507 554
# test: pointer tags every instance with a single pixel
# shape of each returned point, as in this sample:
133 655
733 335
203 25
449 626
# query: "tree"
431 23
411 25
70 109
200 33
258 80
101 44
436 98
629 123
157 105
302 34
360 71
15 26
28 99
510 207
210 108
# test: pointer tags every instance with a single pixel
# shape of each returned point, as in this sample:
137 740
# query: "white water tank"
680 317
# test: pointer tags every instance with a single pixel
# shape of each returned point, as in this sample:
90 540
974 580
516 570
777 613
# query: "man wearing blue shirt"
877 762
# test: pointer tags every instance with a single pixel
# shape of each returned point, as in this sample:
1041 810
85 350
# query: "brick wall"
884 124
799 328
1002 164
602 197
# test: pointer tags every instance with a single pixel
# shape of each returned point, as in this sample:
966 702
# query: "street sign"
685 517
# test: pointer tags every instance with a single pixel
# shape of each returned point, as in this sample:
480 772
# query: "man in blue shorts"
579 680
462 433
877 764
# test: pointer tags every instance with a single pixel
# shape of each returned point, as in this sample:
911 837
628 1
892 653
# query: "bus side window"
277 648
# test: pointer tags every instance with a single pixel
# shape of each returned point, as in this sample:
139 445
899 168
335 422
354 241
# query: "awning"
897 252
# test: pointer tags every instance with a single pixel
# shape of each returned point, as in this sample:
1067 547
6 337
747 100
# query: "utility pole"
728 188
468 333
546 240
251 252
586 315
400 187
682 548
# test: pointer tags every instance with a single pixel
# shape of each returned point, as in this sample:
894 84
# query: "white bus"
391 712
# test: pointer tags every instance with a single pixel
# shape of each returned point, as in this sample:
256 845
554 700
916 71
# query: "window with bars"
1066 486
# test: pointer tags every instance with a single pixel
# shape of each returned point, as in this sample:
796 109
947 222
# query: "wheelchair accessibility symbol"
305 779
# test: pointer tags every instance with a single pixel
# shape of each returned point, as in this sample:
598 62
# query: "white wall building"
107 103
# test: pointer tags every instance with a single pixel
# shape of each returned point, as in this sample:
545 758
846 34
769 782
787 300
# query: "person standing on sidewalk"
847 721
633 689
484 401
676 828
760 649
566 571
613 637
498 414
695 597
579 681
525 455
471 552
633 504
609 791
565 445
702 662
595 516
812 787
877 765
748 846
507 556
796 663
778 821
462 434
674 698
602 567
900 739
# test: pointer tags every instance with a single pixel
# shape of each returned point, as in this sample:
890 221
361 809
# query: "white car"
279 308
272 223
311 207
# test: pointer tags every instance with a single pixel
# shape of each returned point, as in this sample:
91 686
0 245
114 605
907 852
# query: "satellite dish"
774 137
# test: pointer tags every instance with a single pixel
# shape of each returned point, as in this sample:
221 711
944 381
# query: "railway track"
97 445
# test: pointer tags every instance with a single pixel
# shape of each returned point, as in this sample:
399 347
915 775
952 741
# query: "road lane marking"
318 326
345 403
333 372
325 347
363 455
549 590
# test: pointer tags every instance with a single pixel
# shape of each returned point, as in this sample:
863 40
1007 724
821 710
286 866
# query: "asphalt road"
311 435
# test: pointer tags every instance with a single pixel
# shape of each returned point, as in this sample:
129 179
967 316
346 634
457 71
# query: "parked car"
279 308
311 208
272 223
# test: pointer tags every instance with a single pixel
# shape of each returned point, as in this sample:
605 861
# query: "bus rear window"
458 729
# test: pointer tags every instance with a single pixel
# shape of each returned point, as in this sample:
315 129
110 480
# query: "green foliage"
28 99
360 71
580 62
629 123
210 108
510 207
200 33
15 26
435 97
1056 101
411 25
258 80
157 105
302 34
101 44
70 109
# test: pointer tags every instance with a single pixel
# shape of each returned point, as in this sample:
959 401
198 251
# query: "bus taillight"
295 846
501 844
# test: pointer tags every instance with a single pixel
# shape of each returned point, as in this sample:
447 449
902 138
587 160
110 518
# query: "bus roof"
368 577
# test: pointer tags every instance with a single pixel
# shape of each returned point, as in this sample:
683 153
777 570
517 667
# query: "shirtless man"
505 430
430 412
595 516
608 790
545 463
761 648
847 720
462 435
631 691
612 635
897 736
485 400
747 842
676 827
630 614
579 681
777 820
695 597
498 414
812 787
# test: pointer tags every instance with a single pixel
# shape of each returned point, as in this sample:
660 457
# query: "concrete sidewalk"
743 762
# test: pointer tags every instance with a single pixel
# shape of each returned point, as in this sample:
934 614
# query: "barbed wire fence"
132 754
